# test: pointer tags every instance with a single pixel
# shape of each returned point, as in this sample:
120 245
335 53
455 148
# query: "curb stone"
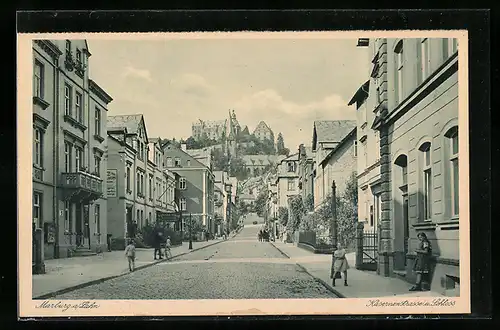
103 279
325 284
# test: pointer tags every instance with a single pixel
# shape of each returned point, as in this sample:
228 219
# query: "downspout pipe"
55 155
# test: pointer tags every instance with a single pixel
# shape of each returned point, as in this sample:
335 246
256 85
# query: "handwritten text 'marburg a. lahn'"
65 306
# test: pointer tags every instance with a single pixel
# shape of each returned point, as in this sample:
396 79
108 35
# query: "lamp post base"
190 245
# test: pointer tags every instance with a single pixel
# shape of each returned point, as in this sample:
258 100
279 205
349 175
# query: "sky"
288 83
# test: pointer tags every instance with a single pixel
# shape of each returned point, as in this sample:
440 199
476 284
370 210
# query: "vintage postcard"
176 174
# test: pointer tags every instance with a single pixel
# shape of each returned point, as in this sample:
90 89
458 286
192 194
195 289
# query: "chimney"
183 147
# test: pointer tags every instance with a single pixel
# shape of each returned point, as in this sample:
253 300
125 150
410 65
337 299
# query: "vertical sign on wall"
111 183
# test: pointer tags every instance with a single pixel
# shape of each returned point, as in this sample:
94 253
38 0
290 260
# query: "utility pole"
190 232
333 225
333 228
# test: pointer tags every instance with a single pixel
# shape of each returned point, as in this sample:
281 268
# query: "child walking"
130 254
168 244
339 265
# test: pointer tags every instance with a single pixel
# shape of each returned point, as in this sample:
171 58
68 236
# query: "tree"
285 152
191 143
309 202
283 215
260 202
221 160
347 214
280 144
297 212
237 168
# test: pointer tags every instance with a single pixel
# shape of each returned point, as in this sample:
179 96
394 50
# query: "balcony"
37 173
81 186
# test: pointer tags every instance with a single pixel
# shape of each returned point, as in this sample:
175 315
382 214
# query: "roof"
331 130
154 140
262 125
309 152
202 155
330 154
260 159
291 157
129 122
360 95
220 175
99 92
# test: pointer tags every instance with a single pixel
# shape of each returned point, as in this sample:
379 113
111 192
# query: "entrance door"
128 219
86 225
405 225
78 224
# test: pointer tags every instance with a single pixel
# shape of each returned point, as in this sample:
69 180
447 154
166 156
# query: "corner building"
416 114
69 149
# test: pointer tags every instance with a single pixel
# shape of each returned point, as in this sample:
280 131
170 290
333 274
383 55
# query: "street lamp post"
333 224
190 232
228 187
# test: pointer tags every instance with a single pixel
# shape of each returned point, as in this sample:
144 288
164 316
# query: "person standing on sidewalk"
157 240
339 264
130 254
422 262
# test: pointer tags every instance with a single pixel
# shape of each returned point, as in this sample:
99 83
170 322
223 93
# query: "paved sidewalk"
362 284
67 274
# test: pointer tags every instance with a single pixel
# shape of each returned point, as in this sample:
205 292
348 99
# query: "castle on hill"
228 131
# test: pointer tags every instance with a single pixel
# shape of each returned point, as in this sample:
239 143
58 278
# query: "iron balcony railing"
82 180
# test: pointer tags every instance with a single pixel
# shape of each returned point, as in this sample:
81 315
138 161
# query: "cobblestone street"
241 268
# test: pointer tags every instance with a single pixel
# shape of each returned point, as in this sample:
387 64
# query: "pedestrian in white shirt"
130 254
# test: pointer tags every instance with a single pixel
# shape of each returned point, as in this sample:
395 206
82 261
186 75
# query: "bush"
347 217
297 212
146 236
118 244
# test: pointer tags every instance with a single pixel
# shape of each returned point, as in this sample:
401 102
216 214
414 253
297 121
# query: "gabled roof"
190 157
346 138
331 130
130 122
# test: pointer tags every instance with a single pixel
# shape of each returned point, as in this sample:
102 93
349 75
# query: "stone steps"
84 252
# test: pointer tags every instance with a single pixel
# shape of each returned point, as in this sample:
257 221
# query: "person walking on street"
422 262
168 252
130 254
339 265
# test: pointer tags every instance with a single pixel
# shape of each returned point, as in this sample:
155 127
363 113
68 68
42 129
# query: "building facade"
221 201
196 185
69 149
306 172
339 165
213 130
416 114
140 190
263 132
368 152
327 136
256 165
287 180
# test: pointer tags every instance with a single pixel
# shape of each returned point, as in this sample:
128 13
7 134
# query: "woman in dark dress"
422 262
